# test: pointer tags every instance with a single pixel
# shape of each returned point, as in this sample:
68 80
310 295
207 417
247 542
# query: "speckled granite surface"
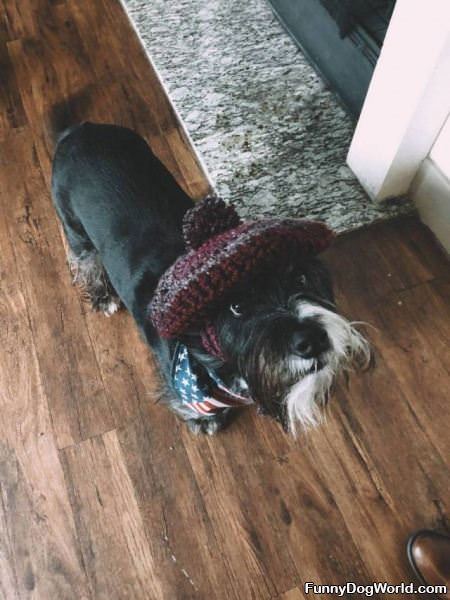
273 139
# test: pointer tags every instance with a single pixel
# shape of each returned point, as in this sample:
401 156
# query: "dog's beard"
295 390
349 350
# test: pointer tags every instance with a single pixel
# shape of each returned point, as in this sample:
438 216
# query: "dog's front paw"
209 425
109 306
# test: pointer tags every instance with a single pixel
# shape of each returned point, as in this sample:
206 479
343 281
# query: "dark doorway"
341 38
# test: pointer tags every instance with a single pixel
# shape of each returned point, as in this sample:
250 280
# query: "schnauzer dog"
235 312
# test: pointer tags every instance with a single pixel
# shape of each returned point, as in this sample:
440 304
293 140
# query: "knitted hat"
222 251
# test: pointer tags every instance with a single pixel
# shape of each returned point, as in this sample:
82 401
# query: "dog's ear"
318 277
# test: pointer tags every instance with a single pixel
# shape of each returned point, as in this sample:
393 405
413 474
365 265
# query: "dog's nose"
310 340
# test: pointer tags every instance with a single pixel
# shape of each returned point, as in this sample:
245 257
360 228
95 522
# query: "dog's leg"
85 264
89 273
209 425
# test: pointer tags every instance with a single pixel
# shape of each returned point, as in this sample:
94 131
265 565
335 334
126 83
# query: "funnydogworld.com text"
369 590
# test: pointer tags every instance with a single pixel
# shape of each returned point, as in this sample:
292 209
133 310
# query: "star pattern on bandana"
205 400
186 381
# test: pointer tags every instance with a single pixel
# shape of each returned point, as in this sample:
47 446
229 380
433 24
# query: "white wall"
408 99
440 152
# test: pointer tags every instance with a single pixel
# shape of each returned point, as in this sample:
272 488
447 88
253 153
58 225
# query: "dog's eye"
235 309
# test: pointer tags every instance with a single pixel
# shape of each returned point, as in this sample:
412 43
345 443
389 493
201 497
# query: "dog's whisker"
364 324
349 350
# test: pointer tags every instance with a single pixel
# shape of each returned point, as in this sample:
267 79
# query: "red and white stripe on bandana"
207 399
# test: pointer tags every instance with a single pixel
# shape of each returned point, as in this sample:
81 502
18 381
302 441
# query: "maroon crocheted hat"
221 252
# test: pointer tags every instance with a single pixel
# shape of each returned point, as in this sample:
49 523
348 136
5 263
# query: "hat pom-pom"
206 219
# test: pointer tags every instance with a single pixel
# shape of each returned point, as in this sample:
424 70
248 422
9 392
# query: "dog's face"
280 332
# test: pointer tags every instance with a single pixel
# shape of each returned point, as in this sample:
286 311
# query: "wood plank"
8 579
115 547
47 71
295 594
419 370
20 18
411 247
392 256
274 511
39 554
184 540
430 307
124 361
367 269
70 373
12 115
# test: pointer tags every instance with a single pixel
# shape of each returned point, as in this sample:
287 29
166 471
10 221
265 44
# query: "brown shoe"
429 556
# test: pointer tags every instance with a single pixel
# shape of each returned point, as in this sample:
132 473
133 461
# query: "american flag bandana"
206 398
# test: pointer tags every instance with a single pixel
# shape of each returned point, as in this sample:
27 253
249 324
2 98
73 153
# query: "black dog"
122 213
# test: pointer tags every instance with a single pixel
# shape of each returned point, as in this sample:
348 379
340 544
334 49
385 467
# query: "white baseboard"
431 194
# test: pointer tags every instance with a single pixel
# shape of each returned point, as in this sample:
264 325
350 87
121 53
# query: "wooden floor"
104 495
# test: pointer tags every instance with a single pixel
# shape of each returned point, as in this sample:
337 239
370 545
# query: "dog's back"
115 198
109 175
